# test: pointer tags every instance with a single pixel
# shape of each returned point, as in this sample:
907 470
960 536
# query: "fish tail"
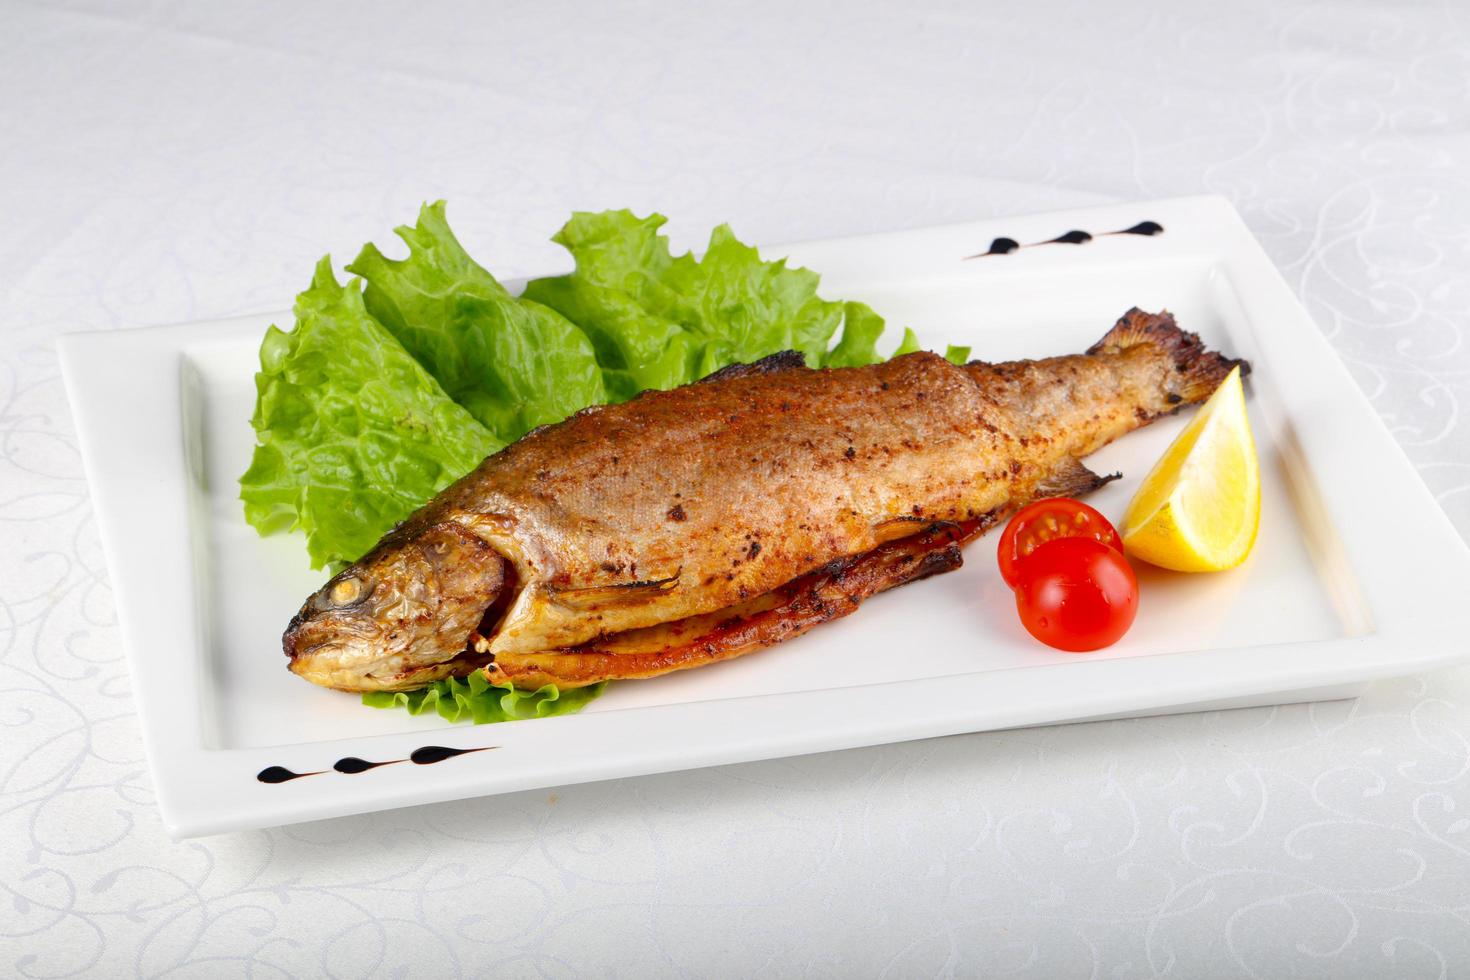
1198 370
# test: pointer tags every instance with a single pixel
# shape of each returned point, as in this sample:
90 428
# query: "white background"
168 162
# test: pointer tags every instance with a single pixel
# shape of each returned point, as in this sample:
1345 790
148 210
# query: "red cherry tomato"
1077 594
1047 520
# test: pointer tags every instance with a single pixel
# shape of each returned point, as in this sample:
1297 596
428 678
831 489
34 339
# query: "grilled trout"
693 525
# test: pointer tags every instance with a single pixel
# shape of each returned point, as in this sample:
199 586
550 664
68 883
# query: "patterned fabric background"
169 161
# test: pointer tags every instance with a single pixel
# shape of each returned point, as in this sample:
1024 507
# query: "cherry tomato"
1077 594
1046 520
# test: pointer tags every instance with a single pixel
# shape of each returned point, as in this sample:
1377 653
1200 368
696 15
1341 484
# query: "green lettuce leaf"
658 321
353 434
861 328
513 363
909 344
475 699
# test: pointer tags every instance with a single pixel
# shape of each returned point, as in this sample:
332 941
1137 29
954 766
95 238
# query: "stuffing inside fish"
693 525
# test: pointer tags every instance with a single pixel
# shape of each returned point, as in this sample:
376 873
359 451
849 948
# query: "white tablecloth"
168 161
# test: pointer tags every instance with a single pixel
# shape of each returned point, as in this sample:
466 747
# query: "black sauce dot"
430 754
280 774
1003 246
353 765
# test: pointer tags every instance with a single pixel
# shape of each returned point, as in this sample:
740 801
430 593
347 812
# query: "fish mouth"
337 665
465 663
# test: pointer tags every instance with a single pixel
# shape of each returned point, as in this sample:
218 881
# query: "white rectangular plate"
1325 602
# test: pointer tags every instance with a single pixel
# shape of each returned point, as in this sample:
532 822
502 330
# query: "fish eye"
345 592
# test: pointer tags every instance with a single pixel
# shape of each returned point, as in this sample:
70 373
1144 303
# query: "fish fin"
1197 370
617 594
906 525
786 360
1071 479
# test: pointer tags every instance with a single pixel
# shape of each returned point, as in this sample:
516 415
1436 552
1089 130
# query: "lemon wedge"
1198 510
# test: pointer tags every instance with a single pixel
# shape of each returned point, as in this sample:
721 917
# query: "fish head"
401 616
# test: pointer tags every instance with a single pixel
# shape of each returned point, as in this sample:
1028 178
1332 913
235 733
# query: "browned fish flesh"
693 525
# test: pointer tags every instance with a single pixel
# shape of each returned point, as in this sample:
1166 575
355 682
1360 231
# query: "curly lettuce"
659 321
512 363
475 699
353 434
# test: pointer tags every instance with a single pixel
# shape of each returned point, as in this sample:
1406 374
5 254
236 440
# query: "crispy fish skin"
683 503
